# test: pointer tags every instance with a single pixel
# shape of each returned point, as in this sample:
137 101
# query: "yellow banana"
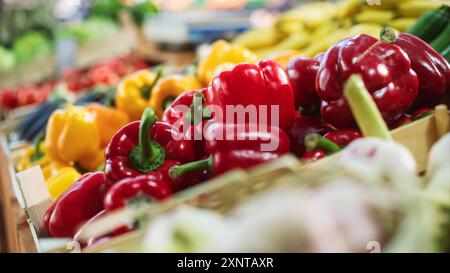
294 41
312 15
401 24
381 4
289 27
374 16
322 45
369 29
324 31
347 8
417 7
258 38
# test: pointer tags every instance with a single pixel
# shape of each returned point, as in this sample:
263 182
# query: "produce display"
75 81
313 28
327 84
30 32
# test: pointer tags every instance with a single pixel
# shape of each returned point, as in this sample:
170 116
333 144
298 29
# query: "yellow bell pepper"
222 52
24 156
108 121
72 135
31 155
92 162
60 182
283 57
134 91
168 88
52 168
49 166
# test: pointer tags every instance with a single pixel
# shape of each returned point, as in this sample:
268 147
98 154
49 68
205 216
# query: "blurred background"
60 34
55 53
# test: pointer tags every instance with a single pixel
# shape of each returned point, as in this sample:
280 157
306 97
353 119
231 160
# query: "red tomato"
8 99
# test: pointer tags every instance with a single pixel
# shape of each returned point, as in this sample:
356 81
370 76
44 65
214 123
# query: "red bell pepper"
143 146
261 84
83 200
90 242
173 114
178 148
150 186
386 71
302 73
318 146
192 103
343 137
236 146
406 119
421 113
315 141
302 126
431 68
313 155
418 114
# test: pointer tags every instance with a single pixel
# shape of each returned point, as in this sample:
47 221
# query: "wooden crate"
233 186
18 233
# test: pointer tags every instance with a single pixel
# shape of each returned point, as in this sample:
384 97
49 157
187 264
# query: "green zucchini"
431 24
443 40
446 53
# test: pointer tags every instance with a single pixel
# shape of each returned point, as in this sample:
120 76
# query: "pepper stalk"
315 141
38 153
364 109
197 109
176 172
146 90
148 155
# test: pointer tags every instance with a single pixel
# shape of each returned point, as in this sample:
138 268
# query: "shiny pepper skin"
151 186
262 84
431 68
343 137
302 73
386 71
82 201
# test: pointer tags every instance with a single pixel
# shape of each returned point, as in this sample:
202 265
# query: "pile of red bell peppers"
148 160
76 80
405 76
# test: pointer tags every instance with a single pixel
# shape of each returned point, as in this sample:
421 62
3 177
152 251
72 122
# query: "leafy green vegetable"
7 59
106 8
31 45
92 29
141 10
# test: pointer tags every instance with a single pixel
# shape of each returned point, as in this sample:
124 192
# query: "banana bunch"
314 27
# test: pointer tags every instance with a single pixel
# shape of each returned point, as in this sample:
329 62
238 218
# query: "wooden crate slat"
36 196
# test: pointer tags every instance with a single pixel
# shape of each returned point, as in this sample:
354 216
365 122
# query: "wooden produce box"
234 186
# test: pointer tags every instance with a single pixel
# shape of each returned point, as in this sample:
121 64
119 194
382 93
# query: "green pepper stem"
315 141
147 120
38 154
146 90
167 102
364 109
109 98
388 35
101 167
176 172
147 155
196 107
